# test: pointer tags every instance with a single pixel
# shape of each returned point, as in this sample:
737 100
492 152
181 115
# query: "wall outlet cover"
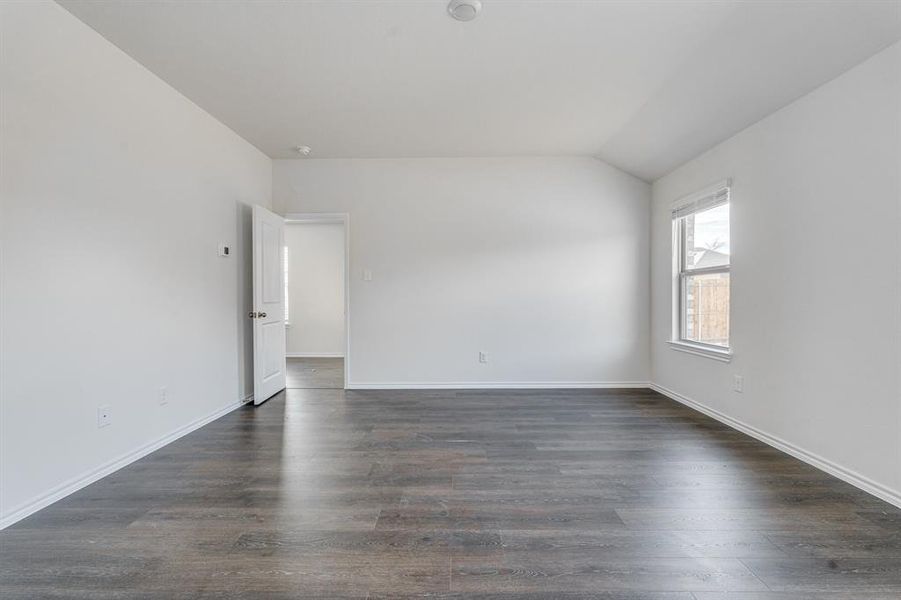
104 415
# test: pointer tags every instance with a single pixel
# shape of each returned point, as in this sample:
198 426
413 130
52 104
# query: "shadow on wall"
243 251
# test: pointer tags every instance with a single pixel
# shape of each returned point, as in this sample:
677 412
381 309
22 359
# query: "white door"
268 314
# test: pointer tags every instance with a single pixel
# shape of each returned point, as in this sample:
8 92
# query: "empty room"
489 299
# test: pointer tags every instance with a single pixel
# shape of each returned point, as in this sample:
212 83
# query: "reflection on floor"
316 373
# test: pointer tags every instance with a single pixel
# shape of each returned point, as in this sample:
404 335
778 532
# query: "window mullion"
707 270
683 308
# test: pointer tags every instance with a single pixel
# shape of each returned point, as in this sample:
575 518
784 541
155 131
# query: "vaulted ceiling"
643 85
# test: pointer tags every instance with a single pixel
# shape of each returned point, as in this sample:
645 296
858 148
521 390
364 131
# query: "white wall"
816 313
115 192
315 289
542 263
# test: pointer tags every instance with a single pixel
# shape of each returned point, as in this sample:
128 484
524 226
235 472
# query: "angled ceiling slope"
643 85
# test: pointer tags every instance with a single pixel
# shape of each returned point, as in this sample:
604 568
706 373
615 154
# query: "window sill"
698 350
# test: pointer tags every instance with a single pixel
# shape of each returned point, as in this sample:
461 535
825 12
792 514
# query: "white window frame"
714 195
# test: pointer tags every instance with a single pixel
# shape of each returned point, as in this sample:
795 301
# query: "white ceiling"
644 85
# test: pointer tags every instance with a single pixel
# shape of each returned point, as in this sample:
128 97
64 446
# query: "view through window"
704 283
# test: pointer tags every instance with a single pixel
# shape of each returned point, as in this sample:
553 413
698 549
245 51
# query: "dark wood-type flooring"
615 495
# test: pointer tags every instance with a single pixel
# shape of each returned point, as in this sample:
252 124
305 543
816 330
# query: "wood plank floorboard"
486 495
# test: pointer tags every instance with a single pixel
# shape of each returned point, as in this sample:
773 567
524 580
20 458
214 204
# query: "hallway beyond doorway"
316 373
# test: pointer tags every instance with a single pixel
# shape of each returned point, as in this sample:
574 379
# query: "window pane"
705 308
706 238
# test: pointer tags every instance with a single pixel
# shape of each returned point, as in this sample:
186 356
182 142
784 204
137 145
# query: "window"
285 266
702 261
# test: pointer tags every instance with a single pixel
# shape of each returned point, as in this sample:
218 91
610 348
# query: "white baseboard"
315 355
496 385
76 483
847 475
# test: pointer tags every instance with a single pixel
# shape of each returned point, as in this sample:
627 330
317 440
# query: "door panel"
273 285
272 340
269 364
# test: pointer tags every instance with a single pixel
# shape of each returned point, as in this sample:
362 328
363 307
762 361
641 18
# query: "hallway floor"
316 373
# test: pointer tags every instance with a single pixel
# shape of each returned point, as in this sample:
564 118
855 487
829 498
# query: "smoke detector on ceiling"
464 10
303 150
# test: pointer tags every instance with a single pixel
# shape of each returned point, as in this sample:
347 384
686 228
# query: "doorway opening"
316 300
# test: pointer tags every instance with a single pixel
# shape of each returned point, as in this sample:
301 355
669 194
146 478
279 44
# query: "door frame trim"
343 219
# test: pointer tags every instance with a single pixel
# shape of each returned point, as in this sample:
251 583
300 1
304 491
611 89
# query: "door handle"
261 315
251 315
256 315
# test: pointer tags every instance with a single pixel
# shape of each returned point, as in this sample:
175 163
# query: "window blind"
713 195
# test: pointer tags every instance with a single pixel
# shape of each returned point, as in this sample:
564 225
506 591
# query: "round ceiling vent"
464 10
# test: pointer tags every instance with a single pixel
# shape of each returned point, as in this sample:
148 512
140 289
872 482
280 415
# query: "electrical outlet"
738 383
483 358
164 396
367 274
104 415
